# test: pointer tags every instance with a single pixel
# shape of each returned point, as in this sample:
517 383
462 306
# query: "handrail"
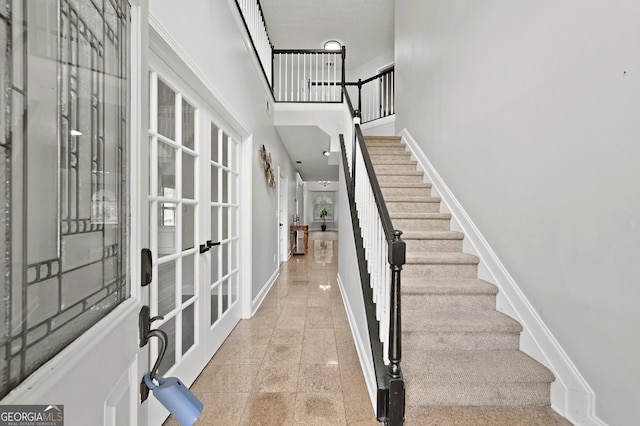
379 241
252 21
379 98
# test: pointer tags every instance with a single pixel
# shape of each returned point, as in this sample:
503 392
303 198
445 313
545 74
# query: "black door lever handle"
212 244
203 248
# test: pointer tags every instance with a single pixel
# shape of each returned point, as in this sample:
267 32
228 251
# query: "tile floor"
294 362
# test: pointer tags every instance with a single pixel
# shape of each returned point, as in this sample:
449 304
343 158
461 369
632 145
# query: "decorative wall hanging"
264 157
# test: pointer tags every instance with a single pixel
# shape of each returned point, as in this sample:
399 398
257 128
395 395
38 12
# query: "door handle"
204 248
212 244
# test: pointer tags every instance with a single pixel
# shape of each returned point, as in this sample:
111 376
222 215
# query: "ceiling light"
326 153
75 133
332 45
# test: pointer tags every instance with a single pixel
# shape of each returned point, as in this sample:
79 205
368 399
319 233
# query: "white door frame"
283 217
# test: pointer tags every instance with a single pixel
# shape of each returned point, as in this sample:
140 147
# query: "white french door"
193 230
223 287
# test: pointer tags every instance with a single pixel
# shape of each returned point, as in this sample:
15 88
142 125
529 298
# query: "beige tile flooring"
294 362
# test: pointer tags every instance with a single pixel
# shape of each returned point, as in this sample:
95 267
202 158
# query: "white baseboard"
257 301
362 348
571 395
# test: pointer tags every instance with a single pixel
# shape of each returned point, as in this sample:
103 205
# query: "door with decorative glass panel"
193 212
69 318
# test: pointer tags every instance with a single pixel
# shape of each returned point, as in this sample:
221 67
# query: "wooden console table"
292 234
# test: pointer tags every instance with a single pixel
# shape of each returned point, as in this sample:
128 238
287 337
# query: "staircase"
457 349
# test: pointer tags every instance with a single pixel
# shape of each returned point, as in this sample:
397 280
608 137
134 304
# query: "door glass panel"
169 359
166 287
188 277
65 176
166 111
224 262
188 176
215 308
188 226
225 222
225 150
214 143
225 296
188 125
215 234
167 238
188 327
233 222
214 184
215 264
225 186
166 171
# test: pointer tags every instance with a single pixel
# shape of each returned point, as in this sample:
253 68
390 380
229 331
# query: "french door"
193 231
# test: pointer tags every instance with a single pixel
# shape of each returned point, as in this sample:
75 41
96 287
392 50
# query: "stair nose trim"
402 215
453 287
432 235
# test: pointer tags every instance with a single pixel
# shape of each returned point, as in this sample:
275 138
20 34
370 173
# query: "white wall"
370 68
529 111
208 33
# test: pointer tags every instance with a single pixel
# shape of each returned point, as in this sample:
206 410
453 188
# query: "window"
323 202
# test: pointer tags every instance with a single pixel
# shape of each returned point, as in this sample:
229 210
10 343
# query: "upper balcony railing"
307 76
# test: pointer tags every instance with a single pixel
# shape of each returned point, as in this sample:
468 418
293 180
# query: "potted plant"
323 215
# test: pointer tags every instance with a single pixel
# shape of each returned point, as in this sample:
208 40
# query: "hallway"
294 362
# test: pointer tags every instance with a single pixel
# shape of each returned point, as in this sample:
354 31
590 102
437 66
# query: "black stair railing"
381 256
375 95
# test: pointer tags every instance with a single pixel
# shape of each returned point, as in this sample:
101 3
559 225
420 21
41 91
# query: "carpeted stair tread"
397 173
420 286
403 215
435 258
461 322
432 235
411 199
474 367
404 185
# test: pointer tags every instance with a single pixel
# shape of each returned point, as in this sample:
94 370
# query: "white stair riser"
509 394
447 302
440 271
391 159
399 179
425 341
442 246
383 150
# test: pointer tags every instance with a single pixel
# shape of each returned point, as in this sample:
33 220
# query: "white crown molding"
571 395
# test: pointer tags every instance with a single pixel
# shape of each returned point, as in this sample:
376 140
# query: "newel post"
397 258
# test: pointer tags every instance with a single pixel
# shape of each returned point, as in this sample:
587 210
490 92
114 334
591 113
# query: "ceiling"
365 27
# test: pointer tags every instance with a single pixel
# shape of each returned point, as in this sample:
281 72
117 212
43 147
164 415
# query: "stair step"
413 176
382 139
396 160
459 330
439 241
399 166
409 222
388 149
407 192
440 265
509 378
412 204
447 295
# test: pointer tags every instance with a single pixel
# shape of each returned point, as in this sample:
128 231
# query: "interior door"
223 272
283 222
175 212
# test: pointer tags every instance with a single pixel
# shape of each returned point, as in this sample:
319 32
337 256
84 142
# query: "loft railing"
375 95
256 26
308 75
381 255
